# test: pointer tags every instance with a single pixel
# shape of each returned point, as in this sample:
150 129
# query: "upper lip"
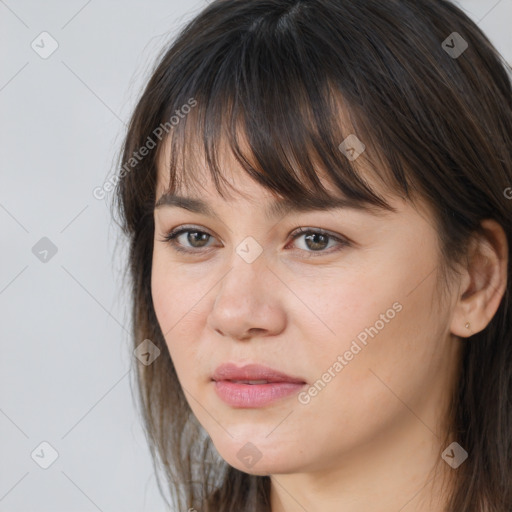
230 371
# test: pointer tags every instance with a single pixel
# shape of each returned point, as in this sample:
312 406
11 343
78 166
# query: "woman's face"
358 323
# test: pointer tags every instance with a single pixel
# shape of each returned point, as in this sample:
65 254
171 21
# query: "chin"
264 469
260 458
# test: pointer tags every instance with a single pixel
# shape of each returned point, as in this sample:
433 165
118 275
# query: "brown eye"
317 240
194 239
188 239
197 237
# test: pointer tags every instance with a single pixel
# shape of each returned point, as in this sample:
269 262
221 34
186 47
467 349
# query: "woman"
317 200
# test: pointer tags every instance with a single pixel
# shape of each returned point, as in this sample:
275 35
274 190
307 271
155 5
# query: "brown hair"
433 122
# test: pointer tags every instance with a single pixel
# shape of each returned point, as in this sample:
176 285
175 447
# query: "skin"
370 439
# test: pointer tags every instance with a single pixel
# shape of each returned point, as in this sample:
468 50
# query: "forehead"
192 169
201 195
193 177
288 159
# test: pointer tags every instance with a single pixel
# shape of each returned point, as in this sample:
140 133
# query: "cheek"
342 305
177 299
174 291
392 355
378 331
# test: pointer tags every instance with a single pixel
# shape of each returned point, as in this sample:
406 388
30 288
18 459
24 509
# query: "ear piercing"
468 325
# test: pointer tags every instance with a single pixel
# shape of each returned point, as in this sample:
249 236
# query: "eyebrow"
278 207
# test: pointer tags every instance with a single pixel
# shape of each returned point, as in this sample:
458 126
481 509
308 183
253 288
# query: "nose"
248 302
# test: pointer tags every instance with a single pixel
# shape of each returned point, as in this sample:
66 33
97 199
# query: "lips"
253 385
252 374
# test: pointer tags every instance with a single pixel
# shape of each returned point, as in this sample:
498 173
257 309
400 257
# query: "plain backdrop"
65 344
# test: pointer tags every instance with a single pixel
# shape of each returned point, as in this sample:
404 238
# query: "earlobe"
484 281
468 327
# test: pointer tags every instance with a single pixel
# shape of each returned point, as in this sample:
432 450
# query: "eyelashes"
313 237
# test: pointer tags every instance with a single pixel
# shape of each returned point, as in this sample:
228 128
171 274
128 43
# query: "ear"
483 282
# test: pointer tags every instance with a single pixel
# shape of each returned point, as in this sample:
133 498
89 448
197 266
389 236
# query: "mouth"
251 382
253 374
253 385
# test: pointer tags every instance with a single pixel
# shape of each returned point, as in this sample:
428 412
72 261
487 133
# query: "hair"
295 78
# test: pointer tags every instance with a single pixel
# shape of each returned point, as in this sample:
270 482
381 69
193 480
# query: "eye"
316 240
197 238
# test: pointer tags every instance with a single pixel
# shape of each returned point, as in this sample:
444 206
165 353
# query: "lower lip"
254 395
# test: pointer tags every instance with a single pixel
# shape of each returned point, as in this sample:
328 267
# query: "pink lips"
239 387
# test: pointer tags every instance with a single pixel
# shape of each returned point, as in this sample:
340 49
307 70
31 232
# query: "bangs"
281 117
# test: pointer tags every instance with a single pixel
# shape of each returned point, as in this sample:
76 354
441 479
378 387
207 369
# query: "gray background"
65 366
